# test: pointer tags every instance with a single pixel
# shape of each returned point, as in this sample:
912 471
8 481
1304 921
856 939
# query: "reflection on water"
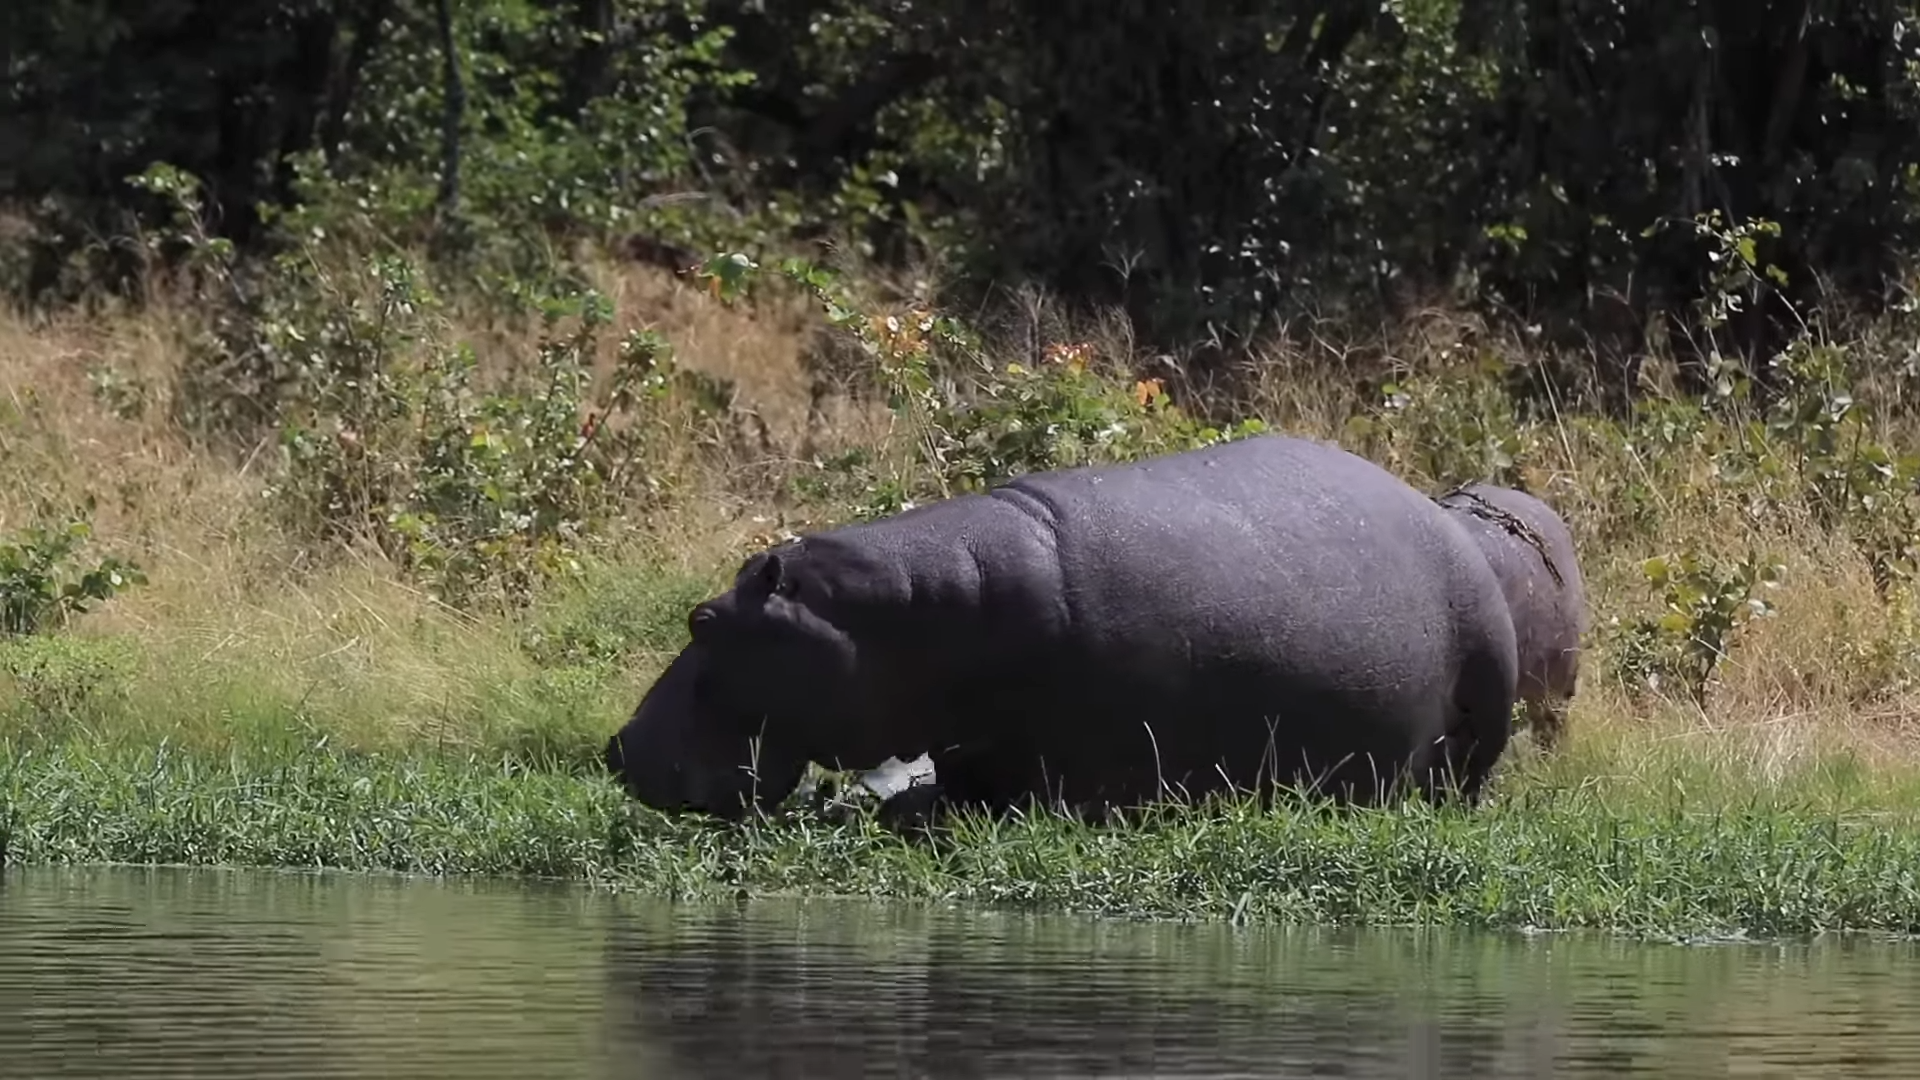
205 973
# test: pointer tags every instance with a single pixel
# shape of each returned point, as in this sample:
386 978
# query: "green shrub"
1448 426
1704 602
390 436
390 433
44 581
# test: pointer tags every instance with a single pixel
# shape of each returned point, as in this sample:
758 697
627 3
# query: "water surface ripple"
178 973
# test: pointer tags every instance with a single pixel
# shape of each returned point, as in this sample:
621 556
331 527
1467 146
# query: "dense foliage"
1210 164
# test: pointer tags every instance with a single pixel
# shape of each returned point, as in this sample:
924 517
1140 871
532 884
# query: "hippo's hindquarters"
1531 552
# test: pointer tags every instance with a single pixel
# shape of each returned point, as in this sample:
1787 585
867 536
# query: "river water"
177 973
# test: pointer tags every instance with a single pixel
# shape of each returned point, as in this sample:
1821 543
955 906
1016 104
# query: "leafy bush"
44 581
1854 480
1448 426
391 432
390 436
1703 604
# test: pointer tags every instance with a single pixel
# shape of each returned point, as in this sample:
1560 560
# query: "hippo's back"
1270 587
1269 510
1529 510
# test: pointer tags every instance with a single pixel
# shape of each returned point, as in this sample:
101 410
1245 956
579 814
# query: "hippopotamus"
1268 611
1531 552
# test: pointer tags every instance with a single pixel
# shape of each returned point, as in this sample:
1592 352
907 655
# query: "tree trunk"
302 95
345 83
456 106
587 79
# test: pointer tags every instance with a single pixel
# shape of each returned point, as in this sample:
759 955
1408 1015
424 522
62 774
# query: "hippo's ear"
774 577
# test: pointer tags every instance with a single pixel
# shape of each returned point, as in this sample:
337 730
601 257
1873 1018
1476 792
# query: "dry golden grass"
235 623
232 619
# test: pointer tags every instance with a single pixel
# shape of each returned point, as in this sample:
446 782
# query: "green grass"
340 731
357 663
1680 847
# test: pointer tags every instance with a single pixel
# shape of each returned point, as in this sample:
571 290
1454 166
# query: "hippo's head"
676 753
793 643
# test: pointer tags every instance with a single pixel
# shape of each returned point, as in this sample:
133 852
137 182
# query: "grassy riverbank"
297 679
1627 836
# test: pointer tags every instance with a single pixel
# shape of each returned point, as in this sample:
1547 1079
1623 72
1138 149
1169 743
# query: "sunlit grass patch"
1680 848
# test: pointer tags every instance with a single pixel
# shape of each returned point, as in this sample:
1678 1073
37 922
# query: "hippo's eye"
699 620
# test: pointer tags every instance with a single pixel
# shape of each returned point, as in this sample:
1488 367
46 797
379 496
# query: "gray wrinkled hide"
1531 551
1267 609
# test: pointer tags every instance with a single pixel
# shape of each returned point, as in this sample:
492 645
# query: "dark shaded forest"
1215 168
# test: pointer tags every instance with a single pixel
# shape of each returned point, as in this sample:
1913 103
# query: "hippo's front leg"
964 779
